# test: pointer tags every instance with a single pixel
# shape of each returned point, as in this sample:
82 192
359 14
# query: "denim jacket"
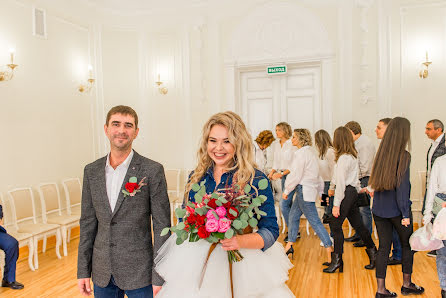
268 227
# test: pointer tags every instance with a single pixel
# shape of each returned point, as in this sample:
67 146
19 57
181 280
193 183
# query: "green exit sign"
276 69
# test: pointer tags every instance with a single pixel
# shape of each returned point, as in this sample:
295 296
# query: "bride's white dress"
259 275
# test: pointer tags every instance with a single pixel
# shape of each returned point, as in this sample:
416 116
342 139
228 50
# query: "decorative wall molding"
366 84
384 70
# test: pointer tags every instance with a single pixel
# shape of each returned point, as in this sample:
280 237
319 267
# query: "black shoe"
432 253
413 290
286 238
326 219
336 262
328 263
443 294
393 261
354 238
391 294
15 285
371 252
298 235
360 243
290 251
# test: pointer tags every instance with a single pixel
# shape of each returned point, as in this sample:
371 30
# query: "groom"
123 194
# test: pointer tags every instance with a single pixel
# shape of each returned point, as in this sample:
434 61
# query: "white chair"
52 212
25 219
24 239
173 190
73 197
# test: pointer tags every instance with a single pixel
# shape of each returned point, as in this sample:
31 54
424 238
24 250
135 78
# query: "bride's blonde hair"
239 137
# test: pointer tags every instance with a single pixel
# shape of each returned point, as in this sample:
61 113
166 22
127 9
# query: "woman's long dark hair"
392 158
323 142
343 143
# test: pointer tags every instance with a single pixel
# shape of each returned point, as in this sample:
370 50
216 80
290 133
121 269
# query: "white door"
294 98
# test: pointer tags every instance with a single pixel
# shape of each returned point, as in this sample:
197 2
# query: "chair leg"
64 240
375 233
44 244
36 257
283 223
58 240
277 214
349 229
69 235
31 254
308 228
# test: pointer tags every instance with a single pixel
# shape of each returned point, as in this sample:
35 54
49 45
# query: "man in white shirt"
435 132
124 195
366 154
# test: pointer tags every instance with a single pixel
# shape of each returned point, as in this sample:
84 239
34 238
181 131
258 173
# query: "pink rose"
224 224
212 225
221 211
210 215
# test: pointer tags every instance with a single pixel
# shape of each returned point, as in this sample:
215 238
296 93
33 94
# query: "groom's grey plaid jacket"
119 243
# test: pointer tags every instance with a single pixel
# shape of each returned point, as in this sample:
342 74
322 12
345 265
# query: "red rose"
131 186
202 233
191 219
190 210
200 220
212 203
186 227
227 205
230 216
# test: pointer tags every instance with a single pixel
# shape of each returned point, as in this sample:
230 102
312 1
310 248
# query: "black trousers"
349 209
385 226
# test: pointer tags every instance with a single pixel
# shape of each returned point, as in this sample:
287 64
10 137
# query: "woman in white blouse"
345 186
304 180
326 164
435 201
264 152
283 152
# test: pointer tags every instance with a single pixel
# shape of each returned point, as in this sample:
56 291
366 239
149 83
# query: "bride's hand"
230 244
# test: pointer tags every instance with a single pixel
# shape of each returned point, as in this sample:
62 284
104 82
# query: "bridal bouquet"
219 215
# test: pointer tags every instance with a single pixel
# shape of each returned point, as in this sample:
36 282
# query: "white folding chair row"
24 239
73 197
173 190
25 219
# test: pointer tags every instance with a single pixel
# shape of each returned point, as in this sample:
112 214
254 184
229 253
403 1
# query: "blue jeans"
441 265
299 207
285 205
366 213
113 291
11 248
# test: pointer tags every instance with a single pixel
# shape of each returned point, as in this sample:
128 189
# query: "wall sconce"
86 87
8 74
163 90
424 72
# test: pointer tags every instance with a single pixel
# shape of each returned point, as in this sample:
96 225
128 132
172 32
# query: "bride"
226 157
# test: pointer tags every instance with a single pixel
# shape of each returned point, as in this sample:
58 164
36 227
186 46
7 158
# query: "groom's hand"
156 289
84 286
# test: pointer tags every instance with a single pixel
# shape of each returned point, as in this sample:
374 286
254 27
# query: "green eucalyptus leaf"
223 200
247 188
198 198
212 239
165 231
237 224
244 216
184 236
195 230
263 184
214 195
219 235
195 187
259 217
179 241
200 211
215 215
253 222
229 233
181 226
262 198
244 224
180 213
256 202
218 203
133 180
233 212
250 213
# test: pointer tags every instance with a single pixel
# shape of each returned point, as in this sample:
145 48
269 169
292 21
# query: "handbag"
423 240
363 200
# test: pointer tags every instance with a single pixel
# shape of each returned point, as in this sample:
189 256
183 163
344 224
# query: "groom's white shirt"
114 179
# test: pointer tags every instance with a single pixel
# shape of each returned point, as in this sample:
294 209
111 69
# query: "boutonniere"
132 187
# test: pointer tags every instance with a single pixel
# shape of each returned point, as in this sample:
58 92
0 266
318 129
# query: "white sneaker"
321 244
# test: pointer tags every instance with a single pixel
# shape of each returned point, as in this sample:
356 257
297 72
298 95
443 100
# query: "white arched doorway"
281 33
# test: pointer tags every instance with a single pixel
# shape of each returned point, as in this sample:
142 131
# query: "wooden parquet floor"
57 278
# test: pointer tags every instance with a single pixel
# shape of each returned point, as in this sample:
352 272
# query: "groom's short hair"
124 110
